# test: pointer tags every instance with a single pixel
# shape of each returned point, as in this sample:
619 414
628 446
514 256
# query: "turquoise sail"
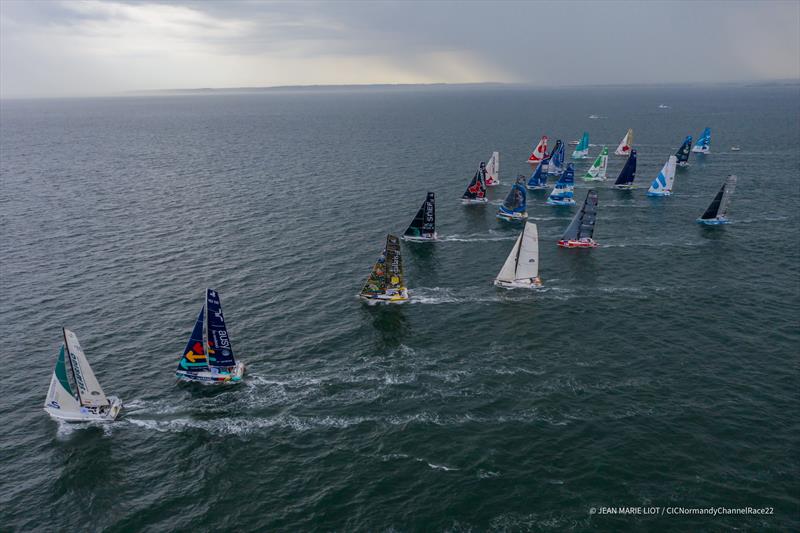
582 150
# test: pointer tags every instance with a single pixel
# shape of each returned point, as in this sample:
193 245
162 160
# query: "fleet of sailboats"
521 269
717 211
662 184
423 226
580 231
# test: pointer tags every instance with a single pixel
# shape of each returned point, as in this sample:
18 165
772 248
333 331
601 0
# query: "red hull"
577 244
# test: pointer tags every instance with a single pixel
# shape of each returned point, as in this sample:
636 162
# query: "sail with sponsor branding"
75 394
515 204
717 212
580 232
682 155
476 190
562 193
626 144
423 227
538 179
556 162
662 184
703 145
208 356
539 152
521 269
582 150
493 170
385 283
628 173
597 172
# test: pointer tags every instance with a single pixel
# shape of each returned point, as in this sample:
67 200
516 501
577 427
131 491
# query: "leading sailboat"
208 356
662 185
718 210
385 283
580 231
75 395
423 227
703 145
626 144
476 190
521 269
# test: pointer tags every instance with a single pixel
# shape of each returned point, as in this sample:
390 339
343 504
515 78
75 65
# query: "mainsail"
563 189
538 179
424 223
719 206
683 152
626 144
493 170
60 395
703 145
516 201
90 393
476 190
539 153
387 273
628 173
556 164
582 225
522 264
597 172
220 350
582 150
194 355
662 184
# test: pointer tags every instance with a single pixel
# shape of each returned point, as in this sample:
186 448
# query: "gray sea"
659 370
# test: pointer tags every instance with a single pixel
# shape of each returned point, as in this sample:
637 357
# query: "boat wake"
476 238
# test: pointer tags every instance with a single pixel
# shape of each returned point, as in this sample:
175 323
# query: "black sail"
424 223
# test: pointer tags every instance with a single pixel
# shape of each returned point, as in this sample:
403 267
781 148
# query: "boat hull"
493 183
713 221
700 151
213 378
590 178
517 284
624 187
665 193
512 217
86 415
382 299
683 164
588 243
409 238
560 202
537 187
477 201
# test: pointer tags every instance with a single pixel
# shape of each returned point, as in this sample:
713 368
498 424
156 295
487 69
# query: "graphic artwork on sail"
562 193
703 145
493 170
521 268
515 204
538 179
626 144
597 172
580 232
662 184
476 190
385 283
539 152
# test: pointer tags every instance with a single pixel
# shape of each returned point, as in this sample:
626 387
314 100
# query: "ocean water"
659 370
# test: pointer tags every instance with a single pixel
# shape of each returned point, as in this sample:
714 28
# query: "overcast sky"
68 48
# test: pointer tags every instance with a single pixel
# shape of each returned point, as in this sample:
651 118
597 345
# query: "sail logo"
222 339
77 369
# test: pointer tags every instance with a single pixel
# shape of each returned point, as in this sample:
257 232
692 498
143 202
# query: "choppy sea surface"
658 370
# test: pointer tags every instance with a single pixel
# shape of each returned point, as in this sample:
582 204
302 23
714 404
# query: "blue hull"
713 221
560 202
659 194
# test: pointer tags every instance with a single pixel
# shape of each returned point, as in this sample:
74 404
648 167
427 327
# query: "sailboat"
662 185
521 269
493 170
539 152
703 145
476 190
538 179
208 356
385 282
626 144
682 155
582 150
717 212
628 173
75 395
423 227
597 172
580 231
562 191
556 163
514 205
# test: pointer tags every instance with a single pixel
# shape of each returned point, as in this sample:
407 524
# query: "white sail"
522 263
59 395
626 144
493 169
89 390
662 184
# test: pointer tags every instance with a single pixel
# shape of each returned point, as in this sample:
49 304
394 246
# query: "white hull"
477 201
87 414
560 202
397 298
214 378
593 179
420 239
493 184
511 217
517 284
697 150
664 193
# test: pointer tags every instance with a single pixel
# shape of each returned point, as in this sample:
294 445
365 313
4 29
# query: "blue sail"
516 201
704 142
556 165
220 350
538 179
562 193
194 356
628 173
